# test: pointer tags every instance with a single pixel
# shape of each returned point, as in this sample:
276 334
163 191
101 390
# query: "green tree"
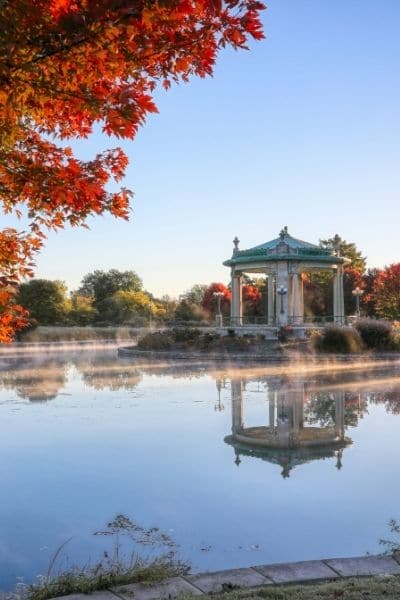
46 301
348 250
318 295
82 310
195 295
127 306
188 311
100 285
169 305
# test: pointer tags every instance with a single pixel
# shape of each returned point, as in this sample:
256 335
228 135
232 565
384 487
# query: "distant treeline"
117 297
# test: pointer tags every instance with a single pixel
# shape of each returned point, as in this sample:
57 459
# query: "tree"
82 310
252 301
210 302
318 295
100 285
188 311
368 298
45 300
195 294
347 249
66 65
352 278
169 305
126 306
387 292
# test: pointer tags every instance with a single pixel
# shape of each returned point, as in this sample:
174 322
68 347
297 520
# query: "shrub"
186 334
207 339
237 343
377 335
156 341
339 339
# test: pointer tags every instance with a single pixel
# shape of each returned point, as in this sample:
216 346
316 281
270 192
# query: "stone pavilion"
283 260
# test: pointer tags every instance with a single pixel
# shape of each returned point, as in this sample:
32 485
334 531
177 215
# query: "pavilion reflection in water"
288 439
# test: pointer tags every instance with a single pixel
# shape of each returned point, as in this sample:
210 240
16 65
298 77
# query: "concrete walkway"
284 573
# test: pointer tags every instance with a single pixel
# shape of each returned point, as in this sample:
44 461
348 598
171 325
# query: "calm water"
85 437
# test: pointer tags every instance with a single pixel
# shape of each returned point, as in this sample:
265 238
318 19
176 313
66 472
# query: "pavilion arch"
283 260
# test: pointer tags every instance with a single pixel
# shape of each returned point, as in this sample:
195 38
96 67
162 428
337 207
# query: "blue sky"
303 131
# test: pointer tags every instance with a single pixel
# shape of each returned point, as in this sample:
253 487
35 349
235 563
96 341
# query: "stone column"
282 279
301 303
338 297
271 294
236 302
295 299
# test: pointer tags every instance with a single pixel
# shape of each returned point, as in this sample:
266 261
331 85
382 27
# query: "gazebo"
283 260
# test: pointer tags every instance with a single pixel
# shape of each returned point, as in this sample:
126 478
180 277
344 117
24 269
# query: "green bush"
376 335
339 339
158 340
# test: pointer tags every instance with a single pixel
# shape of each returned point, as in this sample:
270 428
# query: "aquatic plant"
117 567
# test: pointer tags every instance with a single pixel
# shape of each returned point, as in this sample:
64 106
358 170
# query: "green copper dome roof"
284 247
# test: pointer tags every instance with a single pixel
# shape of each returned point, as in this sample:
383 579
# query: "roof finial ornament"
284 233
236 244
336 244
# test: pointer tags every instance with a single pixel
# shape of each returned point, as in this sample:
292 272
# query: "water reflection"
295 432
40 377
104 373
34 379
147 439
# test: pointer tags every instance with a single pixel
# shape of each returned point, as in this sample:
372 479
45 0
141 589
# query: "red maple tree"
210 302
386 292
66 65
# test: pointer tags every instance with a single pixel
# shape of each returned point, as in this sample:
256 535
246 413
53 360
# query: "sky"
303 130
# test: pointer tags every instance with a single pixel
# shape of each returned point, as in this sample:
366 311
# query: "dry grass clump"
377 335
73 334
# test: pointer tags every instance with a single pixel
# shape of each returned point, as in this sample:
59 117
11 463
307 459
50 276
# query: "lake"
239 465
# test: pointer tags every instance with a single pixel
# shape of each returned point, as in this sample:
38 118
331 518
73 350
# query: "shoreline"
281 355
268 576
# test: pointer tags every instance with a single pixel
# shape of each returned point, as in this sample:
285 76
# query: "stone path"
205 583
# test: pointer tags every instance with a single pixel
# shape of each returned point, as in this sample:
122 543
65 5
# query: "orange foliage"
210 302
66 65
386 292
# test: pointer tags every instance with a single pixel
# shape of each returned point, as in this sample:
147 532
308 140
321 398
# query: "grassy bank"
357 588
91 580
366 588
74 334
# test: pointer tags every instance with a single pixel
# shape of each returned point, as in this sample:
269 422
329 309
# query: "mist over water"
87 435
